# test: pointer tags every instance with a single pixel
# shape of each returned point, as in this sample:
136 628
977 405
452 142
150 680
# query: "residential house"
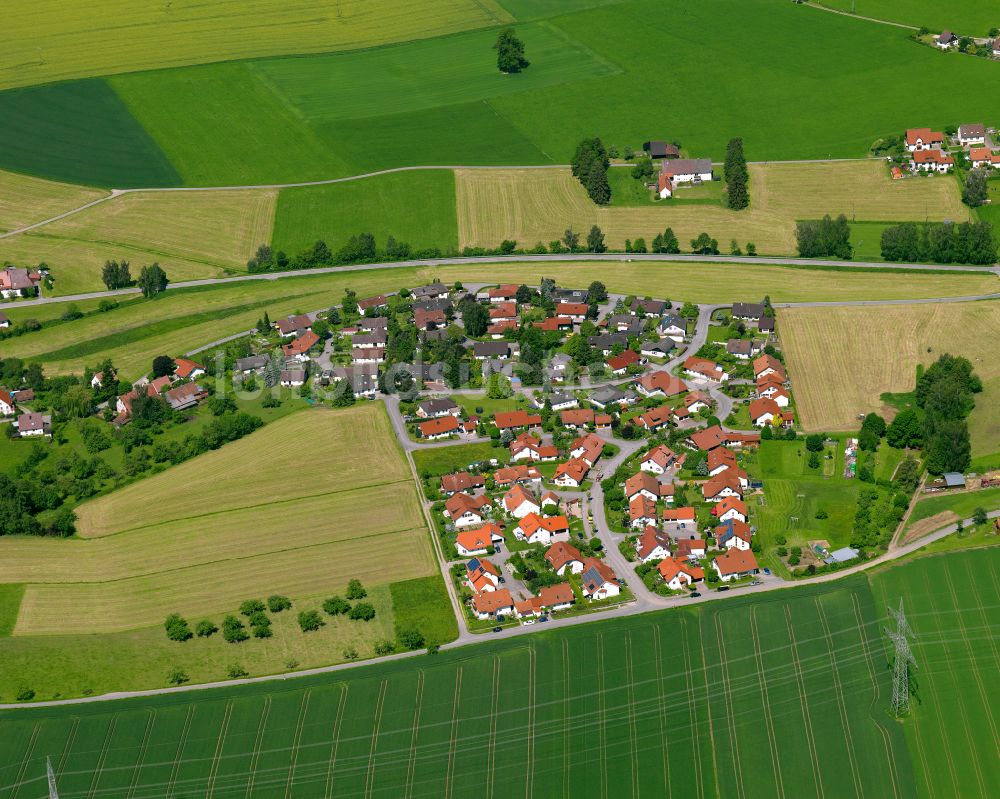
564 557
577 311
512 420
679 573
529 447
642 484
517 475
571 474
657 349
185 396
292 378
185 369
619 364
465 510
656 418
373 323
363 380
724 485
376 338
537 529
764 412
429 320
945 40
652 545
561 295
367 355
661 149
984 157
254 364
559 366
748 311
923 139
641 511
996 48
766 324
588 448
687 170
972 135
598 580
478 541
932 161
484 350
432 291
658 459
609 395
693 549
673 327
706 440
493 604
17 282
461 481
720 459
294 325
704 368
742 349
369 303
498 329
649 308
558 401
692 403
606 342
481 576
33 424
766 365
549 499
440 427
433 408
503 312
299 348
519 503
660 384
625 323
730 508
664 186
504 293
577 418
735 563
556 597
7 404
733 534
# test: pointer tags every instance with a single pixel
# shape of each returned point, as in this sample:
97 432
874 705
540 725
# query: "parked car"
498 629
544 619
767 572
528 622
722 588
694 595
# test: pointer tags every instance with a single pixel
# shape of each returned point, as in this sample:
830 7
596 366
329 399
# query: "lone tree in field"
510 52
975 192
116 275
152 280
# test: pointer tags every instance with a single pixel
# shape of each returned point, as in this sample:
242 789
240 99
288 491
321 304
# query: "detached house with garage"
923 139
465 510
537 529
679 573
519 503
571 474
493 604
972 135
735 563
652 545
598 580
932 161
705 369
564 557
478 541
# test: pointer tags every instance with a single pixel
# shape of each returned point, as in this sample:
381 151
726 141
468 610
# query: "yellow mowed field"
25 200
532 205
298 508
841 359
191 235
45 42
344 453
722 283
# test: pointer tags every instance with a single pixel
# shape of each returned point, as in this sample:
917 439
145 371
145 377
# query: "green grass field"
436 461
966 16
415 207
25 200
945 509
771 696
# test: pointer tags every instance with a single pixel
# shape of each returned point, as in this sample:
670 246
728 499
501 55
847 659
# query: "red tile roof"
736 561
561 553
519 418
300 345
439 426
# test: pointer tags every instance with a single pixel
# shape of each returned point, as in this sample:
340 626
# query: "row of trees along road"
118 275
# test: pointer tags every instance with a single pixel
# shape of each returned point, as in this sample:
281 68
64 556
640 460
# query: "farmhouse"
15 282
702 367
465 510
735 563
441 427
537 529
562 556
972 135
652 545
679 573
461 481
492 604
33 424
932 161
599 580
519 503
946 40
923 139
687 170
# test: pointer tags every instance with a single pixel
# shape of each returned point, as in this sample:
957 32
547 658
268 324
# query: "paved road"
859 16
559 257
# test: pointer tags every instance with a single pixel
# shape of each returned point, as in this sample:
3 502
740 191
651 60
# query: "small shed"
661 149
954 480
842 555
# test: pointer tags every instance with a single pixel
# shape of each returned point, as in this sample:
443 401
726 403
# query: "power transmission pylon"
53 790
904 657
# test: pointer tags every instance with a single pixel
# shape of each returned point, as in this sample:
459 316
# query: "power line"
53 790
904 657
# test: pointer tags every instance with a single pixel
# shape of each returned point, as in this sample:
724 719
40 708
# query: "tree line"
824 238
940 242
358 249
736 176
118 275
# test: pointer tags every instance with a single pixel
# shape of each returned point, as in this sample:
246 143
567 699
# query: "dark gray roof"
686 166
437 405
671 320
664 346
373 323
748 310
430 290
375 338
965 131
251 363
739 346
608 340
661 149
569 295
432 305
491 349
649 306
766 324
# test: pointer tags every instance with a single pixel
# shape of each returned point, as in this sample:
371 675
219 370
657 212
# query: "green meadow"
627 71
415 207
777 695
962 16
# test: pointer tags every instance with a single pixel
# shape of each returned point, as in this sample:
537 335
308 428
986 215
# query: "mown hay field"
967 16
26 200
259 470
51 42
841 360
230 524
533 205
192 235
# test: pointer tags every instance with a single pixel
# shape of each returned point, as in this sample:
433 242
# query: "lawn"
79 132
49 43
766 696
880 348
968 16
10 602
435 461
25 200
192 236
414 207
537 205
201 537
950 603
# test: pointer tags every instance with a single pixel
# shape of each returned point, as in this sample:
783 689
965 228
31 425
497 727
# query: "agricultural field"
384 206
50 43
777 695
191 235
934 512
292 119
880 349
25 200
538 205
965 16
202 537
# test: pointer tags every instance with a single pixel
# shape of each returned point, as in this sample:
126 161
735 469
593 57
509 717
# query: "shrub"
277 603
384 648
259 619
355 590
336 605
206 628
236 671
177 676
822 514
411 638
310 621
25 694
363 611
251 606
233 630
262 631
177 628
